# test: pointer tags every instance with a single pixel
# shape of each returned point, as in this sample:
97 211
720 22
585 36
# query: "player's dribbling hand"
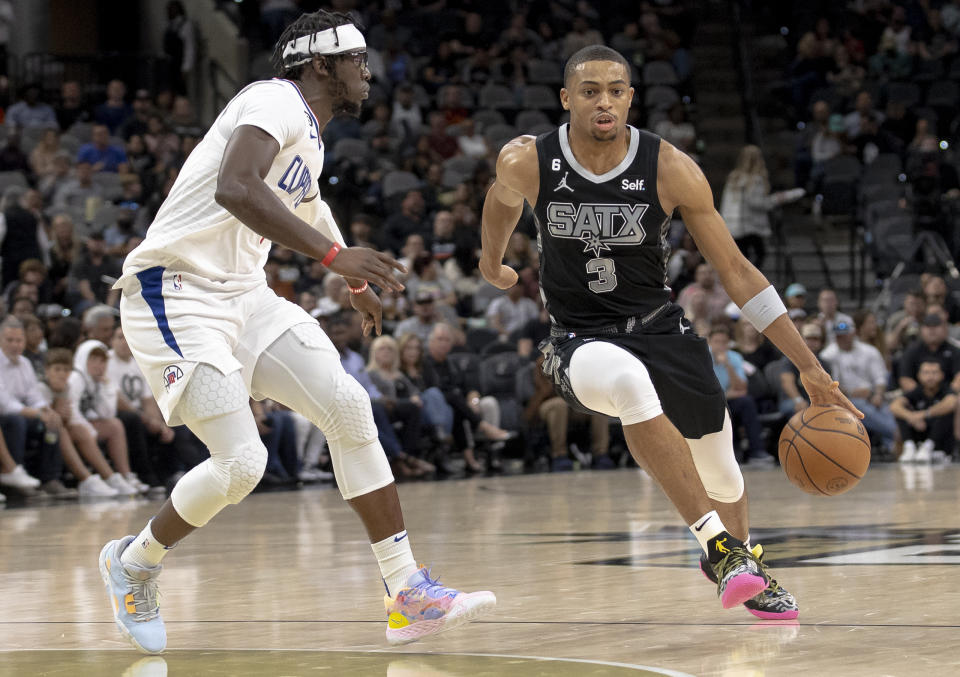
368 305
499 275
824 391
362 263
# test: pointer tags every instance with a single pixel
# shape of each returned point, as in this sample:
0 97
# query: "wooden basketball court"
595 575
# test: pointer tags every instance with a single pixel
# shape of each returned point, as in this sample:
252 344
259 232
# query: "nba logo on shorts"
177 282
171 375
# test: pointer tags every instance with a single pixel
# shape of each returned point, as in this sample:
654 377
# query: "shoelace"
144 593
432 587
731 560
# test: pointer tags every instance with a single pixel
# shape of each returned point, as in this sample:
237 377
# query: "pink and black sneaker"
772 603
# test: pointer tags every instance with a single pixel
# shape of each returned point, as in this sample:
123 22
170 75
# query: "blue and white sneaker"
135 598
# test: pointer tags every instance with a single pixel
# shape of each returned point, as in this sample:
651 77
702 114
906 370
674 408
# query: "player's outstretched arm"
682 184
241 191
518 178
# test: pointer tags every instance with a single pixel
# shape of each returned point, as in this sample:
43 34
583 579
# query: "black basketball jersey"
602 239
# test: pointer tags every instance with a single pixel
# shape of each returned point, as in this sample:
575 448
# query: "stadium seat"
487 117
540 97
888 239
659 73
528 119
397 182
907 93
13 178
542 72
81 130
842 167
109 183
467 364
354 150
660 97
479 337
537 130
497 135
497 97
943 94
464 99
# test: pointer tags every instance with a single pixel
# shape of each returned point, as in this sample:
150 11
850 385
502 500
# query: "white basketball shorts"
174 320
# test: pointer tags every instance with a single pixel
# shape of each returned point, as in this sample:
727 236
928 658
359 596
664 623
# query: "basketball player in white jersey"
208 333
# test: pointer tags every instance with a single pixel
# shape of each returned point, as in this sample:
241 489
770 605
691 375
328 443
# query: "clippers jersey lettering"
191 232
602 239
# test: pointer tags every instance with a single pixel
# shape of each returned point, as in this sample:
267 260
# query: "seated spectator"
544 408
78 443
533 333
863 112
511 312
72 108
904 325
425 317
704 300
79 190
57 177
427 277
869 331
925 415
25 417
86 280
30 112
12 158
933 344
795 296
99 323
682 266
728 366
100 154
408 220
678 130
862 374
404 401
113 112
95 396
336 296
829 314
35 344
409 364
43 156
754 347
471 412
470 141
792 396
936 293
846 77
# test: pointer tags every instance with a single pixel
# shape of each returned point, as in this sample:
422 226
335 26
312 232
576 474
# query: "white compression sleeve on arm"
763 308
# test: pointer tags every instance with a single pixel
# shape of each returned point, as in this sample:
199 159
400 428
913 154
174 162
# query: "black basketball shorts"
677 360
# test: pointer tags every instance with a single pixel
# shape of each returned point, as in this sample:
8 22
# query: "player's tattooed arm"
517 179
241 190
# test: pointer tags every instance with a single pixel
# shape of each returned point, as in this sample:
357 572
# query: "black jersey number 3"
606 272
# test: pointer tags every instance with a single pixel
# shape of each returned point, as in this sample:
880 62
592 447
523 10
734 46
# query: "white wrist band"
763 308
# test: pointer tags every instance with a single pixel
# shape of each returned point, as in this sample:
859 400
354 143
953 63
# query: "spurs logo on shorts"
171 375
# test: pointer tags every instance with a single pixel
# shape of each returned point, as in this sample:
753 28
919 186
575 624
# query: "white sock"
705 528
145 550
396 561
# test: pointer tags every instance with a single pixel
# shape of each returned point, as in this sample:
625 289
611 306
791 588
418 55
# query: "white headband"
345 38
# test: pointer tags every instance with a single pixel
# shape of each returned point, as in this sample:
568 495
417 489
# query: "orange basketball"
824 450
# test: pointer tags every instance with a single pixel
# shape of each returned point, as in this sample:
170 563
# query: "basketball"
824 450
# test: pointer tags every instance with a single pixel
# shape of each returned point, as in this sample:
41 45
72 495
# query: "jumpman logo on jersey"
563 184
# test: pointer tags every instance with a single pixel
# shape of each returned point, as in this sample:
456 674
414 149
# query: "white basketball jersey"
194 233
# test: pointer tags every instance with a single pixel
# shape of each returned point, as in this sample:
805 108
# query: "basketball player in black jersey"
603 194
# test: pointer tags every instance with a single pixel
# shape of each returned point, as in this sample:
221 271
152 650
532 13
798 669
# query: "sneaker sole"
105 575
742 588
474 604
770 616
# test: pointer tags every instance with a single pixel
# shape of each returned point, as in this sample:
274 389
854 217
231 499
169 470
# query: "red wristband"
359 290
331 255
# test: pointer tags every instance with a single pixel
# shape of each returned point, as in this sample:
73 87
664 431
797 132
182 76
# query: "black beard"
341 104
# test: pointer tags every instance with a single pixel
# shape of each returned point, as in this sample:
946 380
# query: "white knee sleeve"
302 370
717 465
236 464
613 381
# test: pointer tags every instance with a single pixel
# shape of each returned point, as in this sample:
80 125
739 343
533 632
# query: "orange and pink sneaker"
423 607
